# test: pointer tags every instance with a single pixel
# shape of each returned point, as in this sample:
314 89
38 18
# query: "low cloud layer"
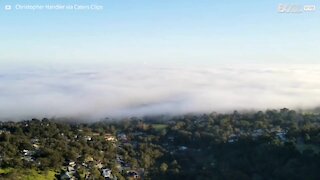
127 91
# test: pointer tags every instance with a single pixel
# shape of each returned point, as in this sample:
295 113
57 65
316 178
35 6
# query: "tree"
163 167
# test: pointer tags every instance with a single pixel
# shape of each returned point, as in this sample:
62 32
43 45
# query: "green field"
26 174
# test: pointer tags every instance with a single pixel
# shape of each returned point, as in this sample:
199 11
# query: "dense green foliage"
261 145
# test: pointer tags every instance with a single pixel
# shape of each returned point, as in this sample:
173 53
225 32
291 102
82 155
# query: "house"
95 134
183 148
122 137
106 173
99 165
110 137
27 155
36 146
281 135
84 164
67 176
28 152
257 133
28 158
72 163
132 174
171 122
70 169
119 158
137 134
35 143
87 138
34 140
4 131
275 129
233 138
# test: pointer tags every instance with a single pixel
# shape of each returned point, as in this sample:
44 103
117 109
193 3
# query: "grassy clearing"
6 171
26 174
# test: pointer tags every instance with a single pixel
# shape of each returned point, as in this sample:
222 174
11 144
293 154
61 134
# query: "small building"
72 163
183 148
28 152
34 140
87 138
233 138
99 165
106 173
281 136
67 176
257 133
70 169
133 174
110 137
122 137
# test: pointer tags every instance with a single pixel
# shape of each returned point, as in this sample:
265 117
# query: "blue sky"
196 32
79 63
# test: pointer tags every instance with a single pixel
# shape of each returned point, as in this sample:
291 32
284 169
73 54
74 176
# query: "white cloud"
129 91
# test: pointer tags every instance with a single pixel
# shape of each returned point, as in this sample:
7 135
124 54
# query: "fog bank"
134 91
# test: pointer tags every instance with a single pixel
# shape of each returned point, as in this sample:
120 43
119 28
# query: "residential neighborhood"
152 148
